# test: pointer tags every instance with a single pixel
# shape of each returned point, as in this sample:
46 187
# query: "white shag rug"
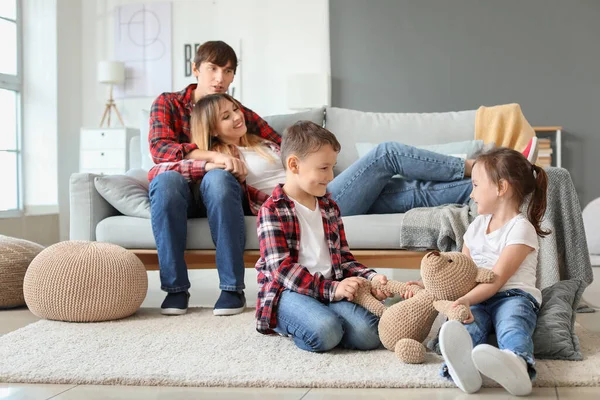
199 349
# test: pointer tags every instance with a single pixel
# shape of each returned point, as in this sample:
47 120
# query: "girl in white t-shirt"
506 241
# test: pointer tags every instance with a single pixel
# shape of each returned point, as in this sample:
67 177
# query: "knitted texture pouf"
82 281
15 256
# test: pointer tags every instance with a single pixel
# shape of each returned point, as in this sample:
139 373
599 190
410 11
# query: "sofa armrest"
87 207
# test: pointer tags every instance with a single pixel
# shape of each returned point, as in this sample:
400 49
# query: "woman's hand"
347 288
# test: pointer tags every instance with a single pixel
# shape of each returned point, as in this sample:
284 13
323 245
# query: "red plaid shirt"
278 269
170 135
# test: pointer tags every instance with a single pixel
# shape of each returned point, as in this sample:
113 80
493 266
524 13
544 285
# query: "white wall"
276 42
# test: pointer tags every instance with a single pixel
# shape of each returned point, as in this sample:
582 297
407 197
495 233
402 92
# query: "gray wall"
428 55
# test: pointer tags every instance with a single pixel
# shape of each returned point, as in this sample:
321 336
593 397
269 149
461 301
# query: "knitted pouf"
15 256
83 281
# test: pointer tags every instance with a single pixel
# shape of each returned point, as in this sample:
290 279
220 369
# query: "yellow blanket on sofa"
504 125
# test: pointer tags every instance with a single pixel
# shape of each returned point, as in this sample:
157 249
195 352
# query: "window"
11 86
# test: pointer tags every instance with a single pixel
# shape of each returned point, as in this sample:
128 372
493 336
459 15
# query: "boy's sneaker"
175 303
230 303
503 366
531 151
456 346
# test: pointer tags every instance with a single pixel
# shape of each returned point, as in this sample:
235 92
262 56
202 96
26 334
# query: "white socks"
465 363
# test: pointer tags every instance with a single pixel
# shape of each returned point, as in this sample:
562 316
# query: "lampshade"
308 91
111 72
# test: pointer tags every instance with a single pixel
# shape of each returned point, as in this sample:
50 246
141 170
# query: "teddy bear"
405 325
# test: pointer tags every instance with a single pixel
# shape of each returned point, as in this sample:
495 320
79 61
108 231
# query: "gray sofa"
93 218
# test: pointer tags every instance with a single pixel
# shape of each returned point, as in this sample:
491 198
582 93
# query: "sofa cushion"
128 194
362 232
351 127
281 122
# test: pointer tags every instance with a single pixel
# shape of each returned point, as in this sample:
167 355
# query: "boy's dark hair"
525 179
216 52
304 138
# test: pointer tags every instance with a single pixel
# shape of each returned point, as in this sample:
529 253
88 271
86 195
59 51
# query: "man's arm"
163 138
279 267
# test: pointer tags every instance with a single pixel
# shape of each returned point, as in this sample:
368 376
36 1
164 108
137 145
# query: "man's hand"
380 294
209 166
466 303
229 163
348 288
237 168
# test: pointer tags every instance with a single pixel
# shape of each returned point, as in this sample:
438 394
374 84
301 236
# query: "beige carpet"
201 350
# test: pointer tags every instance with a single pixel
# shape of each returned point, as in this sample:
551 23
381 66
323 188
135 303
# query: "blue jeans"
512 314
428 179
220 198
316 326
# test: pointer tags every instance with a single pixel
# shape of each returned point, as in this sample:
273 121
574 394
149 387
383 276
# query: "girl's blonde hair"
502 163
203 126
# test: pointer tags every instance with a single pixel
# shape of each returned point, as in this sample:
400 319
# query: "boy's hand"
348 288
380 294
466 303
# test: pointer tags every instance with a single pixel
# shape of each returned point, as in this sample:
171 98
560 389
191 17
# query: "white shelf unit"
105 150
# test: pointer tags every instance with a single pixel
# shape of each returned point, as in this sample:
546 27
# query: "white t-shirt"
486 248
263 174
314 252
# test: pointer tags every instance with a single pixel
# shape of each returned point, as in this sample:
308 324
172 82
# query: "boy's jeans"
429 179
221 199
316 326
512 314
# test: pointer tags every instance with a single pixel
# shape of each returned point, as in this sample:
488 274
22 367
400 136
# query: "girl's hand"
380 294
347 288
409 293
466 303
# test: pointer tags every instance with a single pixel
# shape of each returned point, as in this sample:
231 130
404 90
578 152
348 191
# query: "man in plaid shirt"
306 273
179 178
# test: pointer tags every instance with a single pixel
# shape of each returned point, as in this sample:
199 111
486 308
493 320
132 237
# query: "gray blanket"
563 254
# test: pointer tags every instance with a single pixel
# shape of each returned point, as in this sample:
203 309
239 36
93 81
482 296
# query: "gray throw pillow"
554 337
128 194
280 122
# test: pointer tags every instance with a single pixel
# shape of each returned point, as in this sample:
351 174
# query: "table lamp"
111 73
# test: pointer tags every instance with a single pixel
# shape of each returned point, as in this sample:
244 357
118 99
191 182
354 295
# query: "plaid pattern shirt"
278 269
169 139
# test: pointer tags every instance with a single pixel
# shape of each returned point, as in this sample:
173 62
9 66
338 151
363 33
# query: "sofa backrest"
351 127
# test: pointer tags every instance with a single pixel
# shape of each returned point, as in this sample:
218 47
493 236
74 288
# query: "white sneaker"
456 346
503 366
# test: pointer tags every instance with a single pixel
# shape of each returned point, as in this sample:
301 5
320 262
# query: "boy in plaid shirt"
306 273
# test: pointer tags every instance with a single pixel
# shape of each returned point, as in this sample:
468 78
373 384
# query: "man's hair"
216 52
304 138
